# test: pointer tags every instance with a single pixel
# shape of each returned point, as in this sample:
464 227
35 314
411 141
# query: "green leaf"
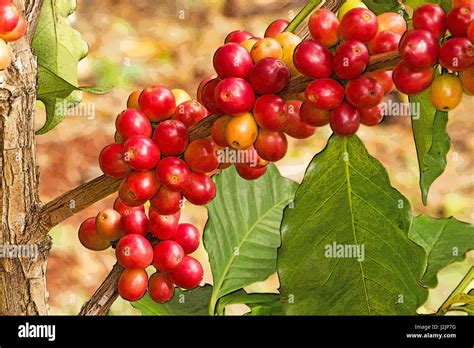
346 198
431 140
59 49
414 4
382 6
242 233
188 302
259 303
444 240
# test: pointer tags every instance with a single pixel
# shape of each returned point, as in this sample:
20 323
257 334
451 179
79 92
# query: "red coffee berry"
234 96
201 87
419 49
269 112
132 284
163 226
173 173
384 77
200 189
295 127
371 116
248 173
89 237
385 41
232 60
18 32
269 76
138 187
189 113
351 59
134 221
467 80
134 251
167 202
364 92
324 27
167 255
412 81
314 116
201 156
157 102
160 288
458 20
108 225
188 274
238 36
112 163
208 96
121 206
457 54
141 153
9 17
313 59
218 131
276 27
271 146
133 122
171 137
430 17
359 24
188 237
326 94
345 120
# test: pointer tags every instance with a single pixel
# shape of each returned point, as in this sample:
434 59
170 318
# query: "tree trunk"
22 270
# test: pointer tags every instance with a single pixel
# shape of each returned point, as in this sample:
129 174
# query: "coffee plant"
344 241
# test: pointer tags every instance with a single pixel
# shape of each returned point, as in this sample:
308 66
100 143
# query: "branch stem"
468 278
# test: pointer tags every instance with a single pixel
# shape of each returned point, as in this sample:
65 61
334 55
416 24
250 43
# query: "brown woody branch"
105 295
76 200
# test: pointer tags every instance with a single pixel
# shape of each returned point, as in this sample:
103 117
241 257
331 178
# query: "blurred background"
141 42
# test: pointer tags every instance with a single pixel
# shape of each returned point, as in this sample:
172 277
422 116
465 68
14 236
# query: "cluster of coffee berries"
12 27
427 47
343 94
140 241
255 119
157 164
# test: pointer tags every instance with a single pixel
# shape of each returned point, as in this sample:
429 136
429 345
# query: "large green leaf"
444 240
445 4
242 233
189 302
431 140
346 198
59 49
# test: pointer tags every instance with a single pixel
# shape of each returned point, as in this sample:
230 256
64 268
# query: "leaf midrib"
351 212
217 288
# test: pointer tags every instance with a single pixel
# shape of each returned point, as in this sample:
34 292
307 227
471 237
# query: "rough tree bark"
22 280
